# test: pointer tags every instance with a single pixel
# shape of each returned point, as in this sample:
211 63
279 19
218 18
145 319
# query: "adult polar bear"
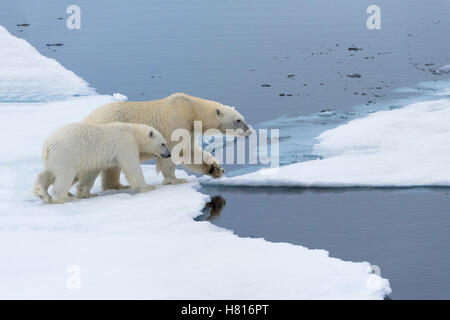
176 111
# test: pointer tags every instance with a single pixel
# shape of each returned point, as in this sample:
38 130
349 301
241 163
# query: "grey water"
283 64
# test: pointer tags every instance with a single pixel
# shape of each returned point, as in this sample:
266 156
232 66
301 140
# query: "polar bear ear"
150 134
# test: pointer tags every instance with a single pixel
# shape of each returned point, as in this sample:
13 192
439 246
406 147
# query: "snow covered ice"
399 148
130 245
27 75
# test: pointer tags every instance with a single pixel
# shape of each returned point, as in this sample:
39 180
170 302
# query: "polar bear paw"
214 170
87 195
147 188
174 181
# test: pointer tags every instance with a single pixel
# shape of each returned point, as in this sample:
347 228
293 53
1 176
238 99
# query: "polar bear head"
212 114
230 119
155 144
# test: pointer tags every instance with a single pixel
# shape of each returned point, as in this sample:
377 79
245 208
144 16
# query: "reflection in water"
216 205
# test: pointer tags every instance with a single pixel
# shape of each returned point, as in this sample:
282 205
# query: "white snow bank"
27 75
122 245
404 147
148 246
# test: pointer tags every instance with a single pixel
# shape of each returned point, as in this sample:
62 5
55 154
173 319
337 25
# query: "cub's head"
156 145
229 118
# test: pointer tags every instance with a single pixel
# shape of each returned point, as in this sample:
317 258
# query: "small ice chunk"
442 69
118 97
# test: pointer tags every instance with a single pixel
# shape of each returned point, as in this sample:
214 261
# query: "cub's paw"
214 170
147 188
61 200
174 181
45 198
87 196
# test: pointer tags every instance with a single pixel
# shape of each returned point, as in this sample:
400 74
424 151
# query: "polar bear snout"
246 129
166 155
243 130
166 152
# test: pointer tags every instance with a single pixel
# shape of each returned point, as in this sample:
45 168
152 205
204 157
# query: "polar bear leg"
210 166
43 182
135 178
63 183
87 180
133 172
111 179
167 168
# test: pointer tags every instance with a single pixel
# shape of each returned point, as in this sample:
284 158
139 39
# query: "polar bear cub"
80 151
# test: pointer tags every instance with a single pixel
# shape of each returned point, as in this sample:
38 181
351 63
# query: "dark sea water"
227 51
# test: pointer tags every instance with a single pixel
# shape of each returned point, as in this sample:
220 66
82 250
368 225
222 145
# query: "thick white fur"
79 151
179 110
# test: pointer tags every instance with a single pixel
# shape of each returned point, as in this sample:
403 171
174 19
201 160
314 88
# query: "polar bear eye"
150 134
163 144
238 120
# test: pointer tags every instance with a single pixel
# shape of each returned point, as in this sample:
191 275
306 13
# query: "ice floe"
398 148
26 75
